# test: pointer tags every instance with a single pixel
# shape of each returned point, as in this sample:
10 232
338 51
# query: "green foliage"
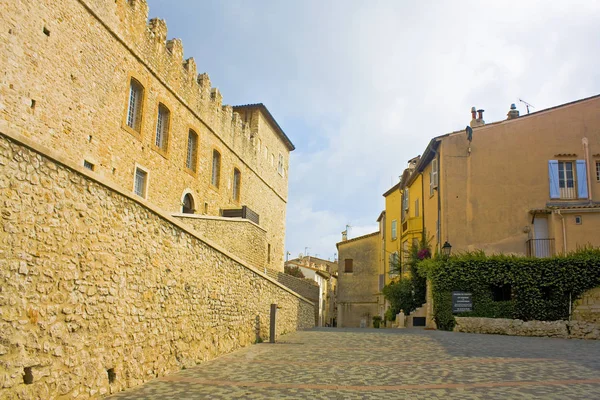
539 287
376 321
409 293
389 315
401 295
293 271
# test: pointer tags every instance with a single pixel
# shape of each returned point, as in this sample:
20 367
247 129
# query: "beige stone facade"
358 281
101 290
69 67
239 236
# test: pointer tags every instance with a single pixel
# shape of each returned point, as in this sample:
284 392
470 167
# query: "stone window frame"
348 265
146 183
280 163
239 186
137 133
193 172
185 193
163 150
220 168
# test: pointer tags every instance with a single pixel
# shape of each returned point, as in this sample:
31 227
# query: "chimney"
513 112
476 121
344 235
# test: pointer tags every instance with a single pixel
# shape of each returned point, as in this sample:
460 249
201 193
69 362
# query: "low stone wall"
239 236
516 327
587 308
100 291
304 287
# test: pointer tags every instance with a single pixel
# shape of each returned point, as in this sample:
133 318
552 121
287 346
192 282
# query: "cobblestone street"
390 364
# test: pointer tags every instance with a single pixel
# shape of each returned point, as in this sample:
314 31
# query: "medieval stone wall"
239 236
67 67
101 291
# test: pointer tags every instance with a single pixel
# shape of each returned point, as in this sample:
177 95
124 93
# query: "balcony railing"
243 212
540 248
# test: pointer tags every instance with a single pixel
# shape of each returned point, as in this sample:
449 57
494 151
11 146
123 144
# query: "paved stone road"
390 364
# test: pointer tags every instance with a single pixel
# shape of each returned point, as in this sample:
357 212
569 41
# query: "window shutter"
434 172
553 176
582 189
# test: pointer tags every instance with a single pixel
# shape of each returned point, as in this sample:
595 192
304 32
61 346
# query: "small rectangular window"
433 176
237 177
394 266
416 207
280 164
272 160
134 107
348 265
597 171
394 229
216 169
162 127
578 219
268 252
88 165
192 151
141 182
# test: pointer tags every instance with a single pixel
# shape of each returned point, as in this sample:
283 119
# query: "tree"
409 293
293 271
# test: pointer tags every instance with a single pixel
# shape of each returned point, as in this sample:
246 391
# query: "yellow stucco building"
527 185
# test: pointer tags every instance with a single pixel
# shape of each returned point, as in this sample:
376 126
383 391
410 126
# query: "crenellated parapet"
148 39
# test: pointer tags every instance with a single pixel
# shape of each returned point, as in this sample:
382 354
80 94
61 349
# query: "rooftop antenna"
527 105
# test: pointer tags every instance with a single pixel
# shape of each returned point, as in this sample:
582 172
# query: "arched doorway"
188 204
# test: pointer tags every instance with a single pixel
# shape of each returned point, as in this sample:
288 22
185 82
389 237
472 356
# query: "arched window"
188 204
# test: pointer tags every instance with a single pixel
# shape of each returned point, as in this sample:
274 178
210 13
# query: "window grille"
192 151
141 178
162 127
134 108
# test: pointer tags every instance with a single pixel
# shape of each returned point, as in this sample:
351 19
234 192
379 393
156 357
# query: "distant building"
324 273
358 280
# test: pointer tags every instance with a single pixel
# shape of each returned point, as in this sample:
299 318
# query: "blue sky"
360 87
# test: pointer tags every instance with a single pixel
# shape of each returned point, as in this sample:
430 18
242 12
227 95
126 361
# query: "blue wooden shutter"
582 189
553 176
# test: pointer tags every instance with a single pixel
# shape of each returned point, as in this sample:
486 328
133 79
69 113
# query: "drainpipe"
564 231
586 154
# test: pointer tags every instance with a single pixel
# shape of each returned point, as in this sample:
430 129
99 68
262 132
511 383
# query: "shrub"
539 288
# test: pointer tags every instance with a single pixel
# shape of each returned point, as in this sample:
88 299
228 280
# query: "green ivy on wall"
509 286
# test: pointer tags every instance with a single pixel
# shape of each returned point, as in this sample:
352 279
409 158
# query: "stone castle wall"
239 236
100 291
304 287
67 66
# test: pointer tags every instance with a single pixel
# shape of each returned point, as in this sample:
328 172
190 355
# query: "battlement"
148 39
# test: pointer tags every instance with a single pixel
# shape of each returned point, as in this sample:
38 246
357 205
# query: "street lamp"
446 249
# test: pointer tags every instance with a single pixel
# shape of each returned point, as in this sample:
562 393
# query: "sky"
360 87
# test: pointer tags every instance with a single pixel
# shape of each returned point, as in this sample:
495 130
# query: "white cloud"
361 87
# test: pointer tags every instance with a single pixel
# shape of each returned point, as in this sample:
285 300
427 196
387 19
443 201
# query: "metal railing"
540 248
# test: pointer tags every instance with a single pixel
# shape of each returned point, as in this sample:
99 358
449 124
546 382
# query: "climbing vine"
511 287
